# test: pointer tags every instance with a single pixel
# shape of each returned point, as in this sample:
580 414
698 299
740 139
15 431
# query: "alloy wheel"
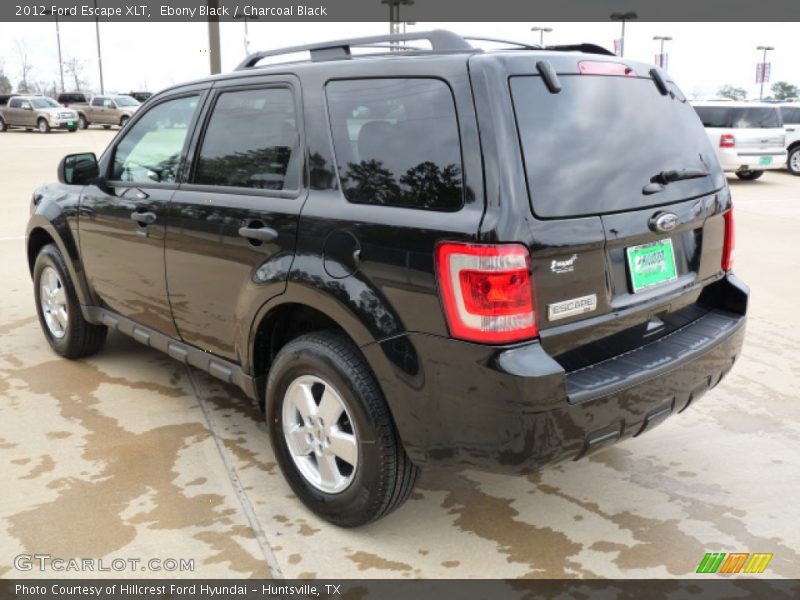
53 300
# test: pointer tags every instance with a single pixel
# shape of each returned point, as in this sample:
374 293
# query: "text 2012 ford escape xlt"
430 256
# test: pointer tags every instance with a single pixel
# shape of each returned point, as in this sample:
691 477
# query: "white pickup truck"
791 123
106 111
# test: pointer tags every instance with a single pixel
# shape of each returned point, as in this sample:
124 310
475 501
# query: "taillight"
726 140
601 67
487 291
729 245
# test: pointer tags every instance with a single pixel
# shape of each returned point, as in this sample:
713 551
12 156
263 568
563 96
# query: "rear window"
739 117
591 148
397 142
791 116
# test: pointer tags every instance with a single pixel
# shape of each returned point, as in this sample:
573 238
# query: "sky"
151 56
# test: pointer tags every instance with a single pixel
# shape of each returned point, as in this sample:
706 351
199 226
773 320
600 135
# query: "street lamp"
662 39
763 68
623 17
542 31
246 31
394 14
99 54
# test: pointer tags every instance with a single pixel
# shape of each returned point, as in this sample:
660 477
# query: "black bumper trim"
657 358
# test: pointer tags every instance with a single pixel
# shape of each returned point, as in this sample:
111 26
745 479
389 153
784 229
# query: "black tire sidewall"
347 507
2 125
789 161
50 257
82 122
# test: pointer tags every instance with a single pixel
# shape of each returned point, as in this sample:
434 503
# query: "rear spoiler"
586 48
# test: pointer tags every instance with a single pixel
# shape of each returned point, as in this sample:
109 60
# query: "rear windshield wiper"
659 180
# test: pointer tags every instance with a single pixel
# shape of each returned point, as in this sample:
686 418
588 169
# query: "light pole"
99 54
247 32
763 68
542 31
623 17
394 15
60 60
662 39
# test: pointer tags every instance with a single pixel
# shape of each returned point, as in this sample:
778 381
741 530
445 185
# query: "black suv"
415 257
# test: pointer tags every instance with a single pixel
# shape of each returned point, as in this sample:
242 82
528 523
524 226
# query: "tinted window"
151 149
126 101
397 142
251 141
592 148
14 103
98 101
791 116
734 117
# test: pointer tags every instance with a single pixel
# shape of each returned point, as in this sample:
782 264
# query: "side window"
97 101
151 149
251 141
24 104
13 103
108 103
791 116
397 143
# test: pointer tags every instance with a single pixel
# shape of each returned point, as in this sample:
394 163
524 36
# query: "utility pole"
623 17
763 68
542 31
662 39
394 16
214 58
99 54
60 60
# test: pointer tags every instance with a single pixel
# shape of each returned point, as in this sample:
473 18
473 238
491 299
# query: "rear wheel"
749 175
82 122
2 125
332 433
43 126
60 317
106 126
793 162
72 129
123 121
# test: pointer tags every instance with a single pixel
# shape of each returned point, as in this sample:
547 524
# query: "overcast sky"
702 56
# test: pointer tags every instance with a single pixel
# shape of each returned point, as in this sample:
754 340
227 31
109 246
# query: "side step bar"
222 369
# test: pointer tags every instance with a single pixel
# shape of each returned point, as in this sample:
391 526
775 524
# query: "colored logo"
735 562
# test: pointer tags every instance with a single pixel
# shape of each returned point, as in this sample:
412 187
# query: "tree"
732 92
783 90
74 70
5 82
25 86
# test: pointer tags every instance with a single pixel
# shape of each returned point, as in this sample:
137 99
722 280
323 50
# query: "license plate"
651 264
70 123
765 160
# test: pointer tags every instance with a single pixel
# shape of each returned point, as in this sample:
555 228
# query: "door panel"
123 222
233 226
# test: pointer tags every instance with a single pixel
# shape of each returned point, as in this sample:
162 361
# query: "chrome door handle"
260 234
144 218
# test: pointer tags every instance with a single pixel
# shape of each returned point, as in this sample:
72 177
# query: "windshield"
591 148
740 117
125 101
44 103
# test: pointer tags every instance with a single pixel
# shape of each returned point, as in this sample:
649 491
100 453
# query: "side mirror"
78 169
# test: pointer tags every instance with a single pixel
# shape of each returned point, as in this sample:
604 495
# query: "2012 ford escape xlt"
422 256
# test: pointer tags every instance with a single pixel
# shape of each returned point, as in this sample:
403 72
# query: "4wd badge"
564 266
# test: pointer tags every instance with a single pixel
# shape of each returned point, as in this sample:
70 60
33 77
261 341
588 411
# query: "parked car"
37 112
140 96
791 122
106 111
748 136
70 98
407 259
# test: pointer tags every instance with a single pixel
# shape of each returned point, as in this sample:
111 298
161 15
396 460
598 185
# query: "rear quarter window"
791 116
396 142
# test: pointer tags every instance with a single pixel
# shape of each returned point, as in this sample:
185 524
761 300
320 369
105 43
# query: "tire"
792 161
329 367
82 122
749 175
3 126
60 316
72 129
43 126
106 126
123 121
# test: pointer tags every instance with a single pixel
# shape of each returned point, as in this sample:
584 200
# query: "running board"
227 371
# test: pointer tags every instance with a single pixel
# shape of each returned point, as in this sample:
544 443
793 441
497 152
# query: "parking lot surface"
131 455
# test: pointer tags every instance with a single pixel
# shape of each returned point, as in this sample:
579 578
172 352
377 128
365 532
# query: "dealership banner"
707 588
379 10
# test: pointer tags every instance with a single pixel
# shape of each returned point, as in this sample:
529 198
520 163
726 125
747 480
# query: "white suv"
791 122
748 136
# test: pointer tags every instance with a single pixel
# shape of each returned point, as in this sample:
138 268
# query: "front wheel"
43 126
60 317
3 126
82 122
332 433
123 121
749 175
793 162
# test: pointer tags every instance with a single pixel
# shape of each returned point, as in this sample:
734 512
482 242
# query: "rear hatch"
627 197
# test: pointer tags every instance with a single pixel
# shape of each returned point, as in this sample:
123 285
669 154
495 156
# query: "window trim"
201 97
188 185
336 159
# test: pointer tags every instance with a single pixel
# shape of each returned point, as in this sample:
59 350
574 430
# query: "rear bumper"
733 159
515 409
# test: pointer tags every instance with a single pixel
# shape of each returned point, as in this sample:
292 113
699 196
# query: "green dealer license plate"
765 160
651 264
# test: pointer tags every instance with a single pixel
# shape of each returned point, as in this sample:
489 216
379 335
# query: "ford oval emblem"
663 221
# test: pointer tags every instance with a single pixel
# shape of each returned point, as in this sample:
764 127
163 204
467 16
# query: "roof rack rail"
501 41
441 41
